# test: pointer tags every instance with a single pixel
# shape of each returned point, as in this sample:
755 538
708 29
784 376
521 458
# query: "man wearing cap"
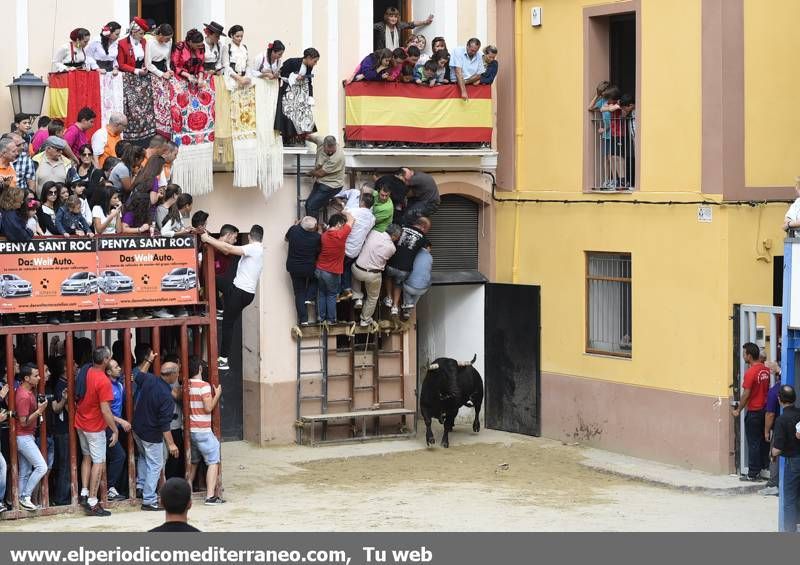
215 54
53 166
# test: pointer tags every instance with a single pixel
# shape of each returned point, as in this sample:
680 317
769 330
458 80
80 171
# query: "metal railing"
197 335
613 152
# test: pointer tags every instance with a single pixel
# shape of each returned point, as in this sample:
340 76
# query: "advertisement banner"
139 271
46 275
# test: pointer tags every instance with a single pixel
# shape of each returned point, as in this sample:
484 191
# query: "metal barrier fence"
613 153
197 335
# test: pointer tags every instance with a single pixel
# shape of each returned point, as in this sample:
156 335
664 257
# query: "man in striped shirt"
205 444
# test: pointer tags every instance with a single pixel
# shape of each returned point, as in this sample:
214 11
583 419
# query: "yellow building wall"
679 289
552 105
671 120
771 46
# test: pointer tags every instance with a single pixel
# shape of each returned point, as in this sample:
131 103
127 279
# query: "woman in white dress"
103 51
72 55
157 62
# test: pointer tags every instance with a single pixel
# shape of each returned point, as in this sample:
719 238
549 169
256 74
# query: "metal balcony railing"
613 153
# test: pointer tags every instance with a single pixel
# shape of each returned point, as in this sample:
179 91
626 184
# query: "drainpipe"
518 132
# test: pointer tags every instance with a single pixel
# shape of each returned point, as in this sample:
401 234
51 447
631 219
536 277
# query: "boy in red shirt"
754 398
330 265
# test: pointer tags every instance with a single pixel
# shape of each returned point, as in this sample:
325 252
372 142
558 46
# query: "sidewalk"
662 474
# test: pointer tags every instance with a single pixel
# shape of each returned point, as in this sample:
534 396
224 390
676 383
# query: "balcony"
422 126
613 153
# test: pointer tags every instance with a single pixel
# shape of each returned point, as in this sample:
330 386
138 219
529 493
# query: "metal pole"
187 446
73 444
12 424
127 371
299 187
44 498
788 358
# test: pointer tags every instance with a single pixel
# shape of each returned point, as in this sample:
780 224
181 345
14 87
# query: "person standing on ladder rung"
242 292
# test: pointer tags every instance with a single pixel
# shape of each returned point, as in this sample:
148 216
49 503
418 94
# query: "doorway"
160 11
380 6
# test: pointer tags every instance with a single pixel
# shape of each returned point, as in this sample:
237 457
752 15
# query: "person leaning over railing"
491 65
468 65
373 67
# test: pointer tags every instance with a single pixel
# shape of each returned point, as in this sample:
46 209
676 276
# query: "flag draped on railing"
379 111
69 92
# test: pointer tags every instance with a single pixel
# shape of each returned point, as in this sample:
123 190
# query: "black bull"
448 385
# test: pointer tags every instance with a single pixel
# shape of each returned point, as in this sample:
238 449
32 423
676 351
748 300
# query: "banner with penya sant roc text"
47 275
142 271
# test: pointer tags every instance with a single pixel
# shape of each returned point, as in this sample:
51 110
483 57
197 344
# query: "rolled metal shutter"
454 235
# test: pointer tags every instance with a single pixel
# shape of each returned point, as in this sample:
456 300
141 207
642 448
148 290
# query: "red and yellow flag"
73 90
379 111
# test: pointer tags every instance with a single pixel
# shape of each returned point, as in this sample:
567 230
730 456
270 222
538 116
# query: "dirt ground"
486 482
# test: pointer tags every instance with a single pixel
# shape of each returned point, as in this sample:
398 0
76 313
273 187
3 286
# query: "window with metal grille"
608 304
454 234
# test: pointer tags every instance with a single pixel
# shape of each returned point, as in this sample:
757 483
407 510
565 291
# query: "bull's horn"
468 363
433 366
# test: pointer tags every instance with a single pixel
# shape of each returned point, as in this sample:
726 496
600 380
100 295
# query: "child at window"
426 74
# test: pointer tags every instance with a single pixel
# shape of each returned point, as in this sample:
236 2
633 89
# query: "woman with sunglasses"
85 165
47 210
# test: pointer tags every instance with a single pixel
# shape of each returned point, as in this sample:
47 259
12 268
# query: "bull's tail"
468 363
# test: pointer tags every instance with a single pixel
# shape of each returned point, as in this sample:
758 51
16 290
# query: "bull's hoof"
476 427
430 441
445 443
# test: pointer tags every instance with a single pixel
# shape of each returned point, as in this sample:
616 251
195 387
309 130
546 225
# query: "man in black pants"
222 265
243 290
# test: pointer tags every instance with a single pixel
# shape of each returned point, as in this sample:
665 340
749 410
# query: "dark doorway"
379 7
777 280
622 52
160 11
512 371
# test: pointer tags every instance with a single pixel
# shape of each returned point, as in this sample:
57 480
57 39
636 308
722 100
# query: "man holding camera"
29 409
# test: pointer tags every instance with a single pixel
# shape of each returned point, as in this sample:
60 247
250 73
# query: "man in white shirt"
368 268
243 290
467 63
364 222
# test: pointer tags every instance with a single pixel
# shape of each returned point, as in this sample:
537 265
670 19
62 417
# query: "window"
611 49
608 304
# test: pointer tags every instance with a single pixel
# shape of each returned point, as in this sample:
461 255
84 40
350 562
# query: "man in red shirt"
32 466
92 418
754 399
330 265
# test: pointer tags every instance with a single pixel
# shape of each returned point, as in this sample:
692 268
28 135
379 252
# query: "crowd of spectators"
105 429
376 229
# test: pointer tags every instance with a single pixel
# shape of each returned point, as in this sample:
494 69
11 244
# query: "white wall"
450 324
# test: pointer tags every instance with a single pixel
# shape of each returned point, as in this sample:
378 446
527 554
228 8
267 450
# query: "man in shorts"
92 418
205 445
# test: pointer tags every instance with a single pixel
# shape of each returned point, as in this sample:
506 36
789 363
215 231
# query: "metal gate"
760 325
512 371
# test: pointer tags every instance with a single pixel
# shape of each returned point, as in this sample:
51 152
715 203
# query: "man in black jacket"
785 443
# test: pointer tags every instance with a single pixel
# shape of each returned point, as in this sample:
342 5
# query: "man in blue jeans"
115 454
786 444
754 398
32 466
151 420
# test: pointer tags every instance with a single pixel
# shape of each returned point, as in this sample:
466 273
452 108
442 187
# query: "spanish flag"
73 90
380 111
